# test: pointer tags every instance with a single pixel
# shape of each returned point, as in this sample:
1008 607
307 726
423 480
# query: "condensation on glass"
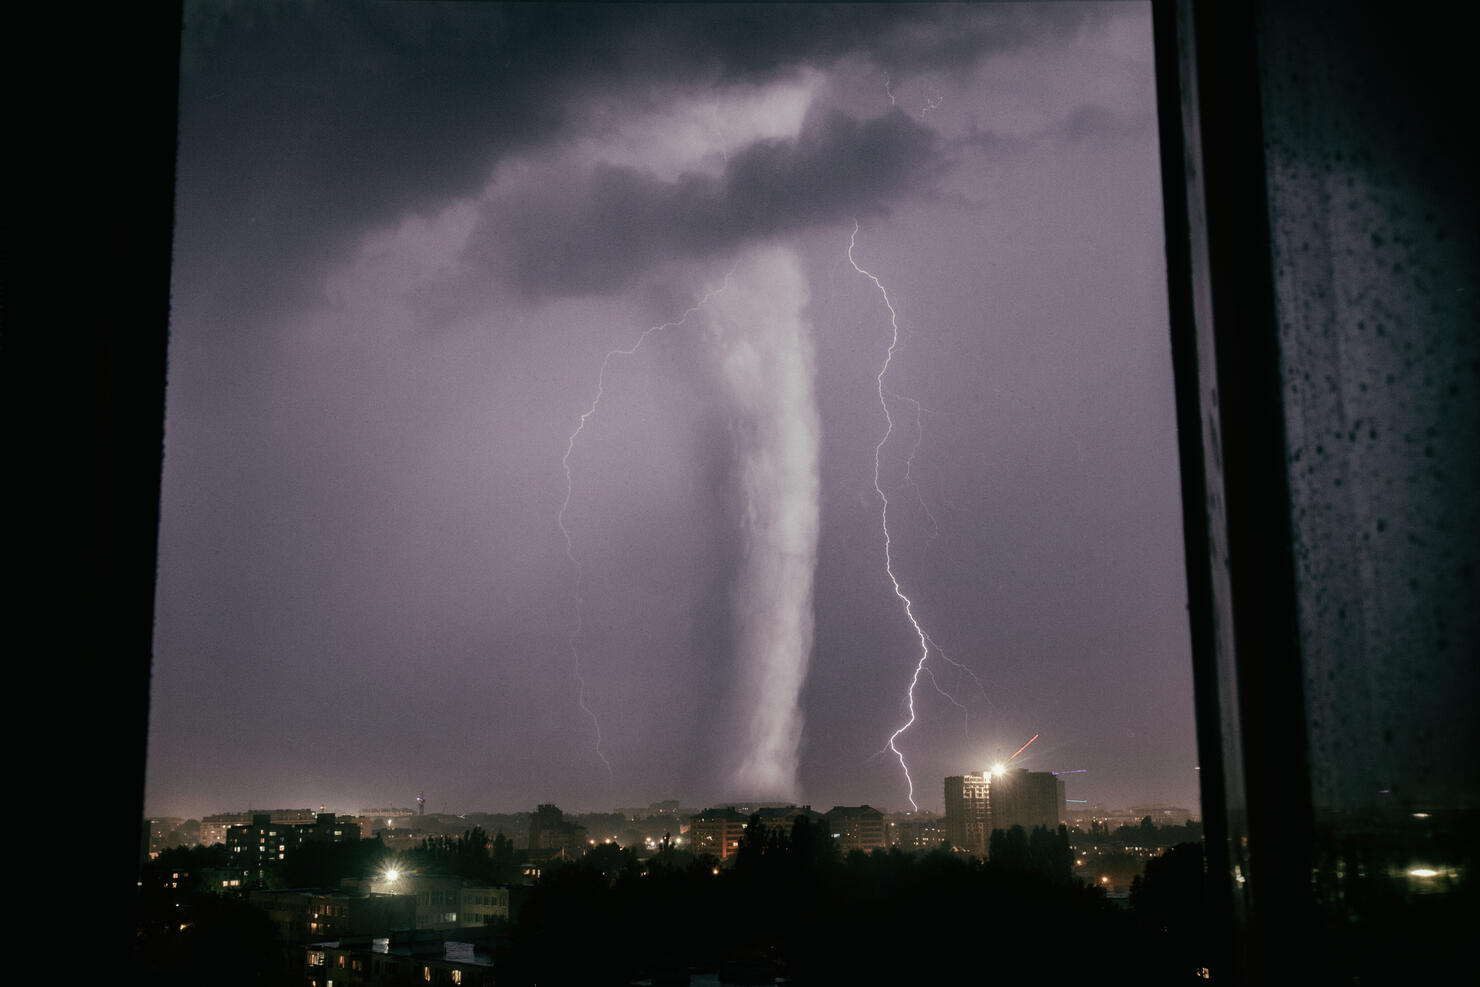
1377 298
1346 735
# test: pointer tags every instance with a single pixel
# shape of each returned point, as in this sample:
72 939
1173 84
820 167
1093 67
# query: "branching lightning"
909 464
579 625
909 479
909 606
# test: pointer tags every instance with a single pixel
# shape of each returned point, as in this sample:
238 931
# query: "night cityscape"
688 494
771 406
662 894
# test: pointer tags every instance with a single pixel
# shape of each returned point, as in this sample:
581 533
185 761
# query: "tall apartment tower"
968 811
1024 798
977 804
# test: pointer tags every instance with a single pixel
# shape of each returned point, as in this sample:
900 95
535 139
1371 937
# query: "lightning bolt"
889 89
570 444
909 464
959 669
927 643
909 467
909 606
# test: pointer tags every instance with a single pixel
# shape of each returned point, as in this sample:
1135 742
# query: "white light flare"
575 635
909 606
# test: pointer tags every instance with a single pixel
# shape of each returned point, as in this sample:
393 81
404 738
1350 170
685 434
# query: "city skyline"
535 371
1107 810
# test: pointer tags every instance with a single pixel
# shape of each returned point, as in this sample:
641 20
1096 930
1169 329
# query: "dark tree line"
1144 833
788 904
792 905
471 856
1043 852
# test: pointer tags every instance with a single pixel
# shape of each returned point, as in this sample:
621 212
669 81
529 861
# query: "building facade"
717 831
1024 798
552 835
263 841
968 812
305 916
979 803
916 830
858 827
443 902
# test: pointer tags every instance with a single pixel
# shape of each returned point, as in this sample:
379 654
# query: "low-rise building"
717 831
552 835
309 915
443 902
857 827
916 830
213 828
403 957
263 841
782 818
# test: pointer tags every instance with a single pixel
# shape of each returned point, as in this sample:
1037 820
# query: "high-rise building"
1024 798
978 803
967 812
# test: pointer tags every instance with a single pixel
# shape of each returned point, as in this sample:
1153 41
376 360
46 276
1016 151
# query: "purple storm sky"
408 234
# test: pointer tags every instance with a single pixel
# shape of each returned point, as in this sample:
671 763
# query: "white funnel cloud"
766 368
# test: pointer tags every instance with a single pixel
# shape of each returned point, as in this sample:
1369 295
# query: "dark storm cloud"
350 508
1094 122
564 241
747 40
304 126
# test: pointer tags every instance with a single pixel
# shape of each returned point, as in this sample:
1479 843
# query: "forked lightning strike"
909 464
926 642
570 445
909 606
